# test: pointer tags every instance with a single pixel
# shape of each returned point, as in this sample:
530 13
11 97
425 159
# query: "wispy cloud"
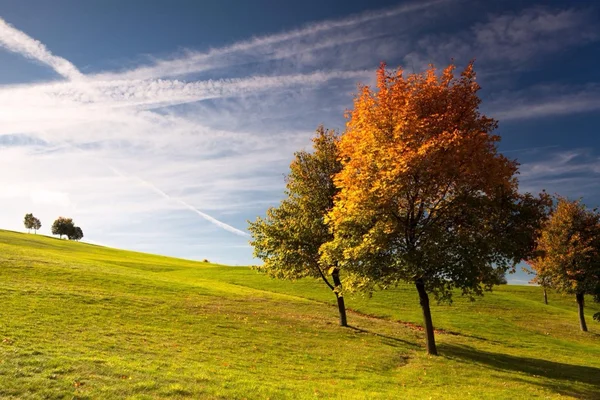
131 153
513 40
574 173
276 46
544 101
17 41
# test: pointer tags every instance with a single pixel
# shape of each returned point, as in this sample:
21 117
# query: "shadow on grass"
565 379
394 341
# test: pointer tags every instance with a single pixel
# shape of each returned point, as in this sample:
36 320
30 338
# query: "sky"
164 126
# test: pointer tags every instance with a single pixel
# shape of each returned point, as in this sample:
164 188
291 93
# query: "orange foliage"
411 148
568 250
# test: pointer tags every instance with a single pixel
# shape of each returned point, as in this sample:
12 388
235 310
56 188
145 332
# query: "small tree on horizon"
37 224
62 226
75 234
567 256
28 222
289 237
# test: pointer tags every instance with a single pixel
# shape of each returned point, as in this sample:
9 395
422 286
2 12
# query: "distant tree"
289 238
425 197
567 256
36 224
542 282
28 221
75 234
62 226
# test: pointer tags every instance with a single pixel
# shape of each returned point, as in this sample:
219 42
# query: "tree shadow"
560 377
391 340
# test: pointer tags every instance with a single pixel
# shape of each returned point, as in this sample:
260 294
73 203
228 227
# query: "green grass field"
88 322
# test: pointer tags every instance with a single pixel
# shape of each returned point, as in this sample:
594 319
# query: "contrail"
204 215
18 41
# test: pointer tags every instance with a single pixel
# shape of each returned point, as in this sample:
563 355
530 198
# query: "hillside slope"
83 321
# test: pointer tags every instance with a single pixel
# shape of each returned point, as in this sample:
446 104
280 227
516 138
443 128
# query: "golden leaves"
568 248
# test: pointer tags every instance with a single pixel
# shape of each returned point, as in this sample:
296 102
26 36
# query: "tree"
62 226
289 238
28 221
543 282
424 195
75 234
567 256
37 224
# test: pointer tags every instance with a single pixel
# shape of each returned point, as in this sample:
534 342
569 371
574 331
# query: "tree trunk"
424 300
340 296
580 302
545 297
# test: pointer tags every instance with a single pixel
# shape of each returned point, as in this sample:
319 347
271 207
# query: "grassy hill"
83 321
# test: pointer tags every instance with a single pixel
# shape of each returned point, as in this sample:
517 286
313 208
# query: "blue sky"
164 126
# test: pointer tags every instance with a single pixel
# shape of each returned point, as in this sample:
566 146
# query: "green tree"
28 221
37 224
289 237
31 222
75 234
62 226
567 256
424 195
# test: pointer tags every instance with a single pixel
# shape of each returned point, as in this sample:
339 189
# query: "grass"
88 322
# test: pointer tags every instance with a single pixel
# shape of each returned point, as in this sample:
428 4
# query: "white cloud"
544 101
574 173
17 41
276 46
131 154
512 40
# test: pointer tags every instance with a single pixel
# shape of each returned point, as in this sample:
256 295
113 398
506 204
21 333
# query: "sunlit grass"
83 321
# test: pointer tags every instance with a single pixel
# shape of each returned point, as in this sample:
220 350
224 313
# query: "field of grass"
88 322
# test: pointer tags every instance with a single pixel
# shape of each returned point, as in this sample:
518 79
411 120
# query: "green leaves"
289 237
31 222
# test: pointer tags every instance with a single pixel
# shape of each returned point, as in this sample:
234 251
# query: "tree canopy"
36 224
62 226
75 234
28 221
425 197
31 222
567 256
289 238
65 226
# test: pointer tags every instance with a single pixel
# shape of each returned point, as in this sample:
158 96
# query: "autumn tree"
62 226
289 237
567 256
425 197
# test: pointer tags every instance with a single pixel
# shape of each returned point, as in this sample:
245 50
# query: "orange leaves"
568 250
426 126
423 191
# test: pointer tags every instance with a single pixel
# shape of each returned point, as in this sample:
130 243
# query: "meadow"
88 322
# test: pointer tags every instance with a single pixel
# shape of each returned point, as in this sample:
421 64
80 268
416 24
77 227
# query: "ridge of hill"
85 321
